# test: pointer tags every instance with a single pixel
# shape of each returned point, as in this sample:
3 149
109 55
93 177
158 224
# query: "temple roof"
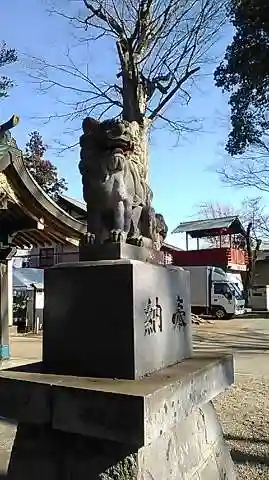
211 227
73 202
27 208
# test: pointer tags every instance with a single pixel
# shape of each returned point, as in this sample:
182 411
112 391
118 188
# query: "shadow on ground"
248 451
244 439
249 341
239 457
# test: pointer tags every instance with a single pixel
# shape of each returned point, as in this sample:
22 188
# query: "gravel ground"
244 414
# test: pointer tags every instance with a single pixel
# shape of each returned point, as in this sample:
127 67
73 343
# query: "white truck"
237 279
214 293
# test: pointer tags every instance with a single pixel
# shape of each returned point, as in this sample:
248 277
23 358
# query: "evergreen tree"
244 73
43 171
7 56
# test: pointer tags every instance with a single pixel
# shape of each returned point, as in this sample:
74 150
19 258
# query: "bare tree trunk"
252 258
134 98
134 106
134 92
248 277
255 256
140 154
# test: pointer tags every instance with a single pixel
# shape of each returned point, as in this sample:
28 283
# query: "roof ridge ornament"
6 139
11 123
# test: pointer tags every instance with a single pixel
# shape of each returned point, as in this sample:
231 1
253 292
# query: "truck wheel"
220 313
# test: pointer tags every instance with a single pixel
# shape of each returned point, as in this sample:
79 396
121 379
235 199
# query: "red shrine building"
224 246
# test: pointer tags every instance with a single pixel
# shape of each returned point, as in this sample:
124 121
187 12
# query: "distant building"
28 218
226 235
21 258
28 298
261 274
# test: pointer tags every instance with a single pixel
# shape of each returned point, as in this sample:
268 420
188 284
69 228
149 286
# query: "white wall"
18 259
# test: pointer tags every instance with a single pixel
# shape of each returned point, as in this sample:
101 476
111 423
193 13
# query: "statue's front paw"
88 239
117 236
137 241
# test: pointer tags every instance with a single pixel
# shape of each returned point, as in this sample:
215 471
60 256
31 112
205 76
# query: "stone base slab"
117 251
192 450
136 412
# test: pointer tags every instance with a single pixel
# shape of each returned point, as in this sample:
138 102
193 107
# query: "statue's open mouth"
125 146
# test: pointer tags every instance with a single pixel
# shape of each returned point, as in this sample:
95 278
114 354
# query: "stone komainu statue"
117 196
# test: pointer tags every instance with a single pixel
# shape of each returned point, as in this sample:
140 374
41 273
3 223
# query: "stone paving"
247 339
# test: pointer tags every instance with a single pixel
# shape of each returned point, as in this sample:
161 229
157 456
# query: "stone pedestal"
115 319
162 427
116 396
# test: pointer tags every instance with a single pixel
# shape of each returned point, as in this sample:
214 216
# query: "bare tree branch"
105 16
172 93
252 210
94 95
249 171
160 45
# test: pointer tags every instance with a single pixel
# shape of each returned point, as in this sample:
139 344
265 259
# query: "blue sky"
181 176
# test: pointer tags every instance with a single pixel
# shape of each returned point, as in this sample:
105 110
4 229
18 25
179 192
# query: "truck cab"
226 299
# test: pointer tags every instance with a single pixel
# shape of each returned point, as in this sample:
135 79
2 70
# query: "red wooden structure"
227 254
224 257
